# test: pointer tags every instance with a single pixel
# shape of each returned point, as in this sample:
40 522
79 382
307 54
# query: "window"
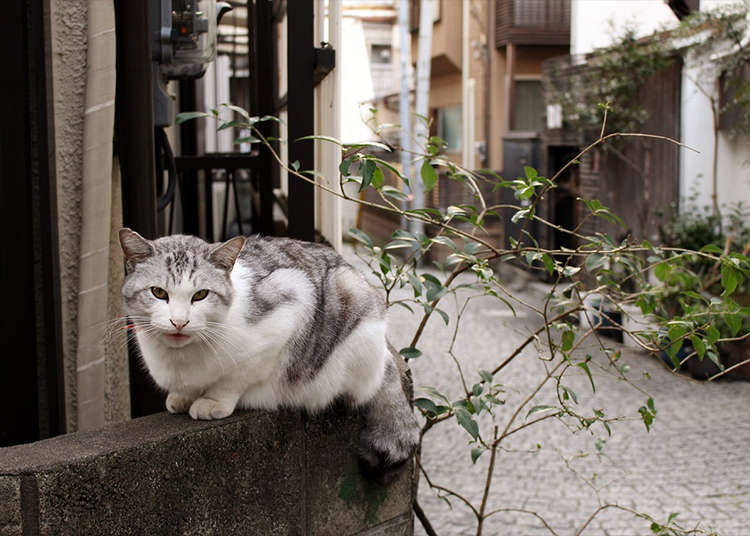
448 126
528 106
380 54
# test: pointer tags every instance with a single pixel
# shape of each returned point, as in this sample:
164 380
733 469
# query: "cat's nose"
179 325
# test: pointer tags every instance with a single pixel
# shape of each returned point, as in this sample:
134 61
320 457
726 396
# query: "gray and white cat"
265 323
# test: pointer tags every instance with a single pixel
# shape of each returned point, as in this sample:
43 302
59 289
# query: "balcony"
532 22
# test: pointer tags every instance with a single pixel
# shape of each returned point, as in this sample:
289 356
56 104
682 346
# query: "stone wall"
265 473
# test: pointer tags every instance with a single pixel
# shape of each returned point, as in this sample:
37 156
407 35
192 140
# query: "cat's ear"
226 253
134 246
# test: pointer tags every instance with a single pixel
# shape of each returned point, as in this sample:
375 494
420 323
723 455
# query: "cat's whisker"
212 353
221 341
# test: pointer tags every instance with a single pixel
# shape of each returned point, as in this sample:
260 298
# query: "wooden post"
301 116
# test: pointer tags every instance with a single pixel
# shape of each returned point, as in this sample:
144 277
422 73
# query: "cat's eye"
198 296
160 293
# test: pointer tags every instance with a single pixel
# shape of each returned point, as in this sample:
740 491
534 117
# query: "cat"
266 323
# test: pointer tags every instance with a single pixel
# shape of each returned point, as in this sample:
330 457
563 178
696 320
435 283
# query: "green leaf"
711 248
567 340
443 315
712 335
378 179
569 393
415 283
520 214
246 139
404 305
647 413
398 244
295 165
321 138
187 116
530 172
730 278
714 358
452 211
231 124
263 119
361 236
661 271
344 166
445 241
676 333
434 287
537 409
585 367
429 176
372 144
395 193
427 405
549 263
472 247
367 171
389 166
410 353
434 392
464 419
698 345
485 375
594 261
239 110
734 322
476 452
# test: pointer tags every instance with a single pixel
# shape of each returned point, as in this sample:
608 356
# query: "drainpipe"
404 108
424 59
467 93
487 80
96 204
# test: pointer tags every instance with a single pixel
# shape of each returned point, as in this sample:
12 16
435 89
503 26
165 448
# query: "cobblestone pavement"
694 461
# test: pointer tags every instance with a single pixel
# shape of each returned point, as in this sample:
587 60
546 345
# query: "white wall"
356 83
696 130
597 23
696 169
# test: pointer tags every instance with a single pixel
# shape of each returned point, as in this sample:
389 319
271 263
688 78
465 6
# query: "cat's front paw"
382 453
208 408
178 403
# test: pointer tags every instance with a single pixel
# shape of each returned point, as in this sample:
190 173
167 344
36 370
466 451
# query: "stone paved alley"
694 461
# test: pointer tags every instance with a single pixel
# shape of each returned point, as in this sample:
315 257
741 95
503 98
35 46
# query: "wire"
168 196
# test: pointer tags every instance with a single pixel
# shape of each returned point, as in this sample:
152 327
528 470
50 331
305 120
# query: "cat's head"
177 288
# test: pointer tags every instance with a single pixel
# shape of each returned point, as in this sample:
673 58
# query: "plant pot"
735 352
595 305
683 352
701 369
634 321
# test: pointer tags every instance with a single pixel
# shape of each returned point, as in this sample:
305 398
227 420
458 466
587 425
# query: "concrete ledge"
265 473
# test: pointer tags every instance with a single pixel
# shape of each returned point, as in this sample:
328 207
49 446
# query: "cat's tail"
391 434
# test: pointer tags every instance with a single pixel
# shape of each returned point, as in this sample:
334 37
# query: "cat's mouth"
177 339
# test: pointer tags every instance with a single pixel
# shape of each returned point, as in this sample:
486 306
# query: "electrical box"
183 44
